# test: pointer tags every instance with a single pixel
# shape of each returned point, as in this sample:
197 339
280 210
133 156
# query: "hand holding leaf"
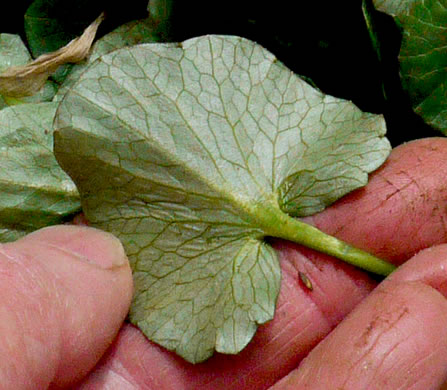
192 154
399 213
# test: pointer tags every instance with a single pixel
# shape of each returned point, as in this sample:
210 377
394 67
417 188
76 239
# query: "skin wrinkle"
413 368
27 346
374 345
142 382
382 363
297 336
7 349
414 385
117 370
117 380
320 367
272 357
58 295
315 266
389 185
404 343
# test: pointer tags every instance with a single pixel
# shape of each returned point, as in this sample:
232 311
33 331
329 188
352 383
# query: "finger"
395 339
305 317
64 292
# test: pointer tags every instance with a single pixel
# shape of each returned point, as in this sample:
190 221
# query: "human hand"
395 338
64 294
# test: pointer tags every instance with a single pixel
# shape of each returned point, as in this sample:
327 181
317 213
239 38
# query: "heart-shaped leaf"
192 154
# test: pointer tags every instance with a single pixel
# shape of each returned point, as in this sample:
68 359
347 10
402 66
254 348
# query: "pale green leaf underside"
34 191
132 33
13 51
423 55
179 149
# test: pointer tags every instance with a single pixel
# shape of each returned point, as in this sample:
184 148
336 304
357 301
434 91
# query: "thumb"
64 293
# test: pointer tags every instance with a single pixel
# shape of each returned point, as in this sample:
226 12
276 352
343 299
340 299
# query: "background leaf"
51 24
35 192
188 152
13 52
423 55
29 79
160 13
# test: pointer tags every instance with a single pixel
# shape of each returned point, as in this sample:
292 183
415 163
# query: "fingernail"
88 244
104 250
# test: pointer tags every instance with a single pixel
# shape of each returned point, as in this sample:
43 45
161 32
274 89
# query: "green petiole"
280 225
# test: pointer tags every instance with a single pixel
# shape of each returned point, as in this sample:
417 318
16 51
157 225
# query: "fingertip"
429 266
87 244
69 287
